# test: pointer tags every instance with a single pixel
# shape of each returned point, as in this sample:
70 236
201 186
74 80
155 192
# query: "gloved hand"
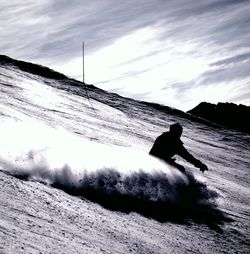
203 167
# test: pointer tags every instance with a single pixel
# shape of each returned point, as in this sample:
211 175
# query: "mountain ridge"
226 114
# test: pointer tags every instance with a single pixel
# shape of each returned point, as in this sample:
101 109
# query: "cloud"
57 28
232 60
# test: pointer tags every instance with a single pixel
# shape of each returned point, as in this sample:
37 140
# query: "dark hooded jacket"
168 145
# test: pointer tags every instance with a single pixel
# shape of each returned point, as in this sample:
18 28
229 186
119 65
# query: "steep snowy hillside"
76 176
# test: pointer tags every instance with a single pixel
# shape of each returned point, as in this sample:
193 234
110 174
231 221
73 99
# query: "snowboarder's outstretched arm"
190 158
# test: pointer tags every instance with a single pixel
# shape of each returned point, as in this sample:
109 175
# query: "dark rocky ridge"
32 68
227 114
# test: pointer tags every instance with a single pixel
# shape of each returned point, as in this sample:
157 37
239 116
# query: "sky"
173 52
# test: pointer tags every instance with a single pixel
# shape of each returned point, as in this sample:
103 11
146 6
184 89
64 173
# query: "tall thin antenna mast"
83 74
83 78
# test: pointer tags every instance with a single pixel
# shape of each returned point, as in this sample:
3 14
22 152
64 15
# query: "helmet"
176 128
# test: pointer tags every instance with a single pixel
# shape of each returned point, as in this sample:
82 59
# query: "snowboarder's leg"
178 166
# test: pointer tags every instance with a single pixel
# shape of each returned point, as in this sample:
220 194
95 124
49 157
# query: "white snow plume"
99 172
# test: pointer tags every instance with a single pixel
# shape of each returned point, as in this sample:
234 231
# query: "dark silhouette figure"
169 144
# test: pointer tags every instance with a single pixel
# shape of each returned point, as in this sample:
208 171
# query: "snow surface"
76 176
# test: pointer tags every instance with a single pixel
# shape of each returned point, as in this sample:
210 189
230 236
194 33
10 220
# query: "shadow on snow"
193 202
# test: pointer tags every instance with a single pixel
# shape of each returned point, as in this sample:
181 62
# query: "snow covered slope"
76 176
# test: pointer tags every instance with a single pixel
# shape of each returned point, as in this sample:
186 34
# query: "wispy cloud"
172 52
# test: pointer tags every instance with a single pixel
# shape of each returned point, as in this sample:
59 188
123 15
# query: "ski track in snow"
78 180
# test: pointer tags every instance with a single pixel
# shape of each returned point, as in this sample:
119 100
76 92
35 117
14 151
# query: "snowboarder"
169 144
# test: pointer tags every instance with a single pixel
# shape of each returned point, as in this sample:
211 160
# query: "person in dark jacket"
169 144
